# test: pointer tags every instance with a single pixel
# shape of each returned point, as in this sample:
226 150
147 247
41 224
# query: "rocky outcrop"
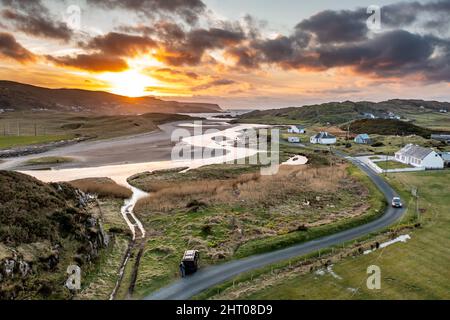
42 226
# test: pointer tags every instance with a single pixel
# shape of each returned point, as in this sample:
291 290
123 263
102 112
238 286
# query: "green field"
20 128
388 165
17 141
418 269
227 228
431 120
387 145
341 113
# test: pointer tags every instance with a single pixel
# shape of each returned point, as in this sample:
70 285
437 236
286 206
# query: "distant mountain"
23 97
342 112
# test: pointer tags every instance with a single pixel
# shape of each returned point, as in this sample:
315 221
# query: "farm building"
297 129
294 139
323 138
446 157
363 139
419 157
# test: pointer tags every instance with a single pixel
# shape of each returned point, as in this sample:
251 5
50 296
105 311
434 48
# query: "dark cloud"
190 48
245 56
395 53
215 83
188 10
107 52
120 44
10 48
38 25
336 26
34 19
173 72
33 7
172 75
341 39
96 62
404 14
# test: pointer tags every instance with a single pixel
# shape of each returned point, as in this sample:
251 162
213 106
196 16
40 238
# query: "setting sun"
129 83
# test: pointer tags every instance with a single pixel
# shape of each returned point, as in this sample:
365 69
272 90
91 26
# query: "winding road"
208 277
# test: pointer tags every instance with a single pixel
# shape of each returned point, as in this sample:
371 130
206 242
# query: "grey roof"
415 151
324 135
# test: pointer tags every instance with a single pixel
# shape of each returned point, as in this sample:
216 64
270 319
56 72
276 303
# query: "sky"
254 54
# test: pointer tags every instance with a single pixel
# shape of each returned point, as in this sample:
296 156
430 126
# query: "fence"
26 128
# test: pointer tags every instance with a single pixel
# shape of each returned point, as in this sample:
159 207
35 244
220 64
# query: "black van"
189 264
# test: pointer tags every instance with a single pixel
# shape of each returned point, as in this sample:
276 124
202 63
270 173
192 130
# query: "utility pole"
417 205
35 129
331 165
386 165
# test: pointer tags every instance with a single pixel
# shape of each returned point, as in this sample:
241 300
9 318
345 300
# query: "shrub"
104 188
378 144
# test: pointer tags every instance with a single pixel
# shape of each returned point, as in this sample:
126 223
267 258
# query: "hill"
44 228
23 97
388 128
337 113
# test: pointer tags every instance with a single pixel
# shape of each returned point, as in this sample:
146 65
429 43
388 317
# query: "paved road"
206 278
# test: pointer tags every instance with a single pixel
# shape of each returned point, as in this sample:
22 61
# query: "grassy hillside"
56 126
422 113
388 128
231 211
23 97
44 228
18 141
417 269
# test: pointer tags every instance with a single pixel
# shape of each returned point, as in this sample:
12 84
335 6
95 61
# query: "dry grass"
246 189
336 131
104 188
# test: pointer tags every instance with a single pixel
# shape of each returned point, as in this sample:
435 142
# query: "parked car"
397 202
189 264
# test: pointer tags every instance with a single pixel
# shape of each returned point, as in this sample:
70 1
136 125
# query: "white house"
369 115
323 138
363 139
419 157
294 139
297 129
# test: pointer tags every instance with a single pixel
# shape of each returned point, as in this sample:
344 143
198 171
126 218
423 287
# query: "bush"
378 144
104 188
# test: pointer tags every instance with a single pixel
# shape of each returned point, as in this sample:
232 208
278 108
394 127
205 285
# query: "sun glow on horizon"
130 83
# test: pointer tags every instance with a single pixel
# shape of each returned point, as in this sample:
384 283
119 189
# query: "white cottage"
419 157
323 138
294 139
297 129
